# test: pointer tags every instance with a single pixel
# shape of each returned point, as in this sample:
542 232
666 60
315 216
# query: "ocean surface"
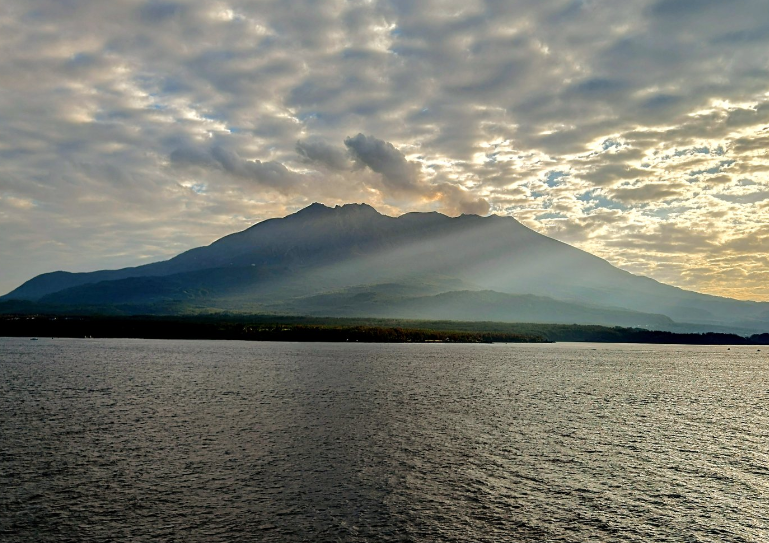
203 441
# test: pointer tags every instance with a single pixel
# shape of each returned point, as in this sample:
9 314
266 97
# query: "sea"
207 441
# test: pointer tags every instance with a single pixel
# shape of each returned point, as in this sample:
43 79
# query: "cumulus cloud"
749 198
649 192
269 174
402 177
324 153
608 173
382 157
456 201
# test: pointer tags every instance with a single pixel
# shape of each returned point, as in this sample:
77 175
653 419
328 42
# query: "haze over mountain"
352 261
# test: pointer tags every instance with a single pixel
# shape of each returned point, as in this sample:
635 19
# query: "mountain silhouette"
351 260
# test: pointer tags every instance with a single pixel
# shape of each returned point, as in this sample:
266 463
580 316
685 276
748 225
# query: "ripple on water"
221 441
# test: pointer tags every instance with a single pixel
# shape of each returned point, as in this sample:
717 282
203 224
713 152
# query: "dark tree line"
274 328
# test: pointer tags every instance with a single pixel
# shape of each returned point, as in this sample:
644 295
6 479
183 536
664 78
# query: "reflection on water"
224 441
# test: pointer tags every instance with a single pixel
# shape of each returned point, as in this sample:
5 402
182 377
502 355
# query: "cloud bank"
134 129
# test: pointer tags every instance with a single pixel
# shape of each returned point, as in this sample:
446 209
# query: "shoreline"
334 330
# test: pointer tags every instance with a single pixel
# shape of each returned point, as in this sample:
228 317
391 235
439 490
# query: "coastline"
320 329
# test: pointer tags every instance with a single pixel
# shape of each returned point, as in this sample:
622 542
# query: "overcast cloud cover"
133 130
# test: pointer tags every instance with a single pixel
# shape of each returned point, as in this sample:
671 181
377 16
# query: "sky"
132 130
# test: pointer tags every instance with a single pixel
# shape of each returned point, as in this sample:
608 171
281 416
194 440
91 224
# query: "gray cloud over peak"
369 163
136 112
324 153
404 178
383 158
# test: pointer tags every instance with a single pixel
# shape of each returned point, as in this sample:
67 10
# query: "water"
232 441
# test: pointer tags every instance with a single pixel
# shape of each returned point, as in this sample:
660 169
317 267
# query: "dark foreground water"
133 440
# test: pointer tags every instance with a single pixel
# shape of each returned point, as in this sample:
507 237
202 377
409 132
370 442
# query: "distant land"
320 329
352 262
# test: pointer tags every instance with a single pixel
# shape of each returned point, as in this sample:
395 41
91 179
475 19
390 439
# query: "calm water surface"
232 441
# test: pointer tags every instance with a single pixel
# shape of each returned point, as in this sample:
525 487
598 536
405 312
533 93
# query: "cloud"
750 198
133 113
680 9
155 12
607 174
649 192
404 178
269 174
324 153
382 157
456 201
370 164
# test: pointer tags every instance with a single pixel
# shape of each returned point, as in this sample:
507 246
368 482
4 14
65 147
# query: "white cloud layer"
133 129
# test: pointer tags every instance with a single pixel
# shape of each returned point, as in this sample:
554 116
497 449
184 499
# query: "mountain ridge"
283 262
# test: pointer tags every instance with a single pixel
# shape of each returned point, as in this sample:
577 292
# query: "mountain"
352 261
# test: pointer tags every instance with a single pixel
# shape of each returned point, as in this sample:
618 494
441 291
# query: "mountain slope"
469 305
321 251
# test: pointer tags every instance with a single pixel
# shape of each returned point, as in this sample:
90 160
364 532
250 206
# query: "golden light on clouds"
634 131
